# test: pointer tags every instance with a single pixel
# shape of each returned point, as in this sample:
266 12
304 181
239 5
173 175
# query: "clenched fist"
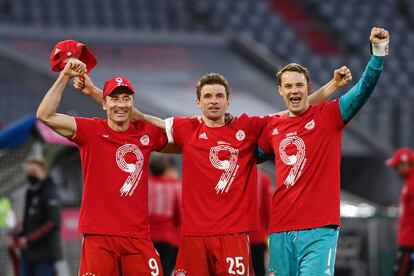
342 76
74 68
379 35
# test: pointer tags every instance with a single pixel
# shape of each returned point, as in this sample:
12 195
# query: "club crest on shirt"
145 140
310 125
240 135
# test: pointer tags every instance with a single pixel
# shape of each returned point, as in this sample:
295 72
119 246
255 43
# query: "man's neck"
213 123
118 127
291 114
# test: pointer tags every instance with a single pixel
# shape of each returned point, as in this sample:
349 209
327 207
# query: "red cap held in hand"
67 49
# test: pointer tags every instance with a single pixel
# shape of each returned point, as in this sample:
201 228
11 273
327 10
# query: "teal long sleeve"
351 102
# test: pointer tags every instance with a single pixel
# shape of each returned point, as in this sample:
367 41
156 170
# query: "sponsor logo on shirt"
310 125
240 135
145 140
203 136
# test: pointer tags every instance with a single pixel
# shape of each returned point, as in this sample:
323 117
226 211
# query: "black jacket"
41 223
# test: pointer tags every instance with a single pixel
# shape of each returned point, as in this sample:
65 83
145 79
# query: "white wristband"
381 49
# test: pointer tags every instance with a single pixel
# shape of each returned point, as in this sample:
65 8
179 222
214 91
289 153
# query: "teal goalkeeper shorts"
308 252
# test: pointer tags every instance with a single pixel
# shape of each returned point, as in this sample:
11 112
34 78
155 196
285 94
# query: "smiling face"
213 98
213 101
118 106
294 87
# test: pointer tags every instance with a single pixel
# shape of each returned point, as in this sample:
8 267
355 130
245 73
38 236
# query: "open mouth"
295 100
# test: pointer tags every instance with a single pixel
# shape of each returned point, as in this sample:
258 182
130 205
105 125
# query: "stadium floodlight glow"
348 210
365 210
362 210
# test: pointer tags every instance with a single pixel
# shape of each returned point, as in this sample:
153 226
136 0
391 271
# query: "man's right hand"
342 76
74 68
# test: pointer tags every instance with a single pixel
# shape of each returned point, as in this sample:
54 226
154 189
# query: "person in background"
258 239
403 163
39 237
164 203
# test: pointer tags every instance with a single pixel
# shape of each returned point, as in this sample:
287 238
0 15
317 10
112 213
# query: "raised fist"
342 76
379 35
74 68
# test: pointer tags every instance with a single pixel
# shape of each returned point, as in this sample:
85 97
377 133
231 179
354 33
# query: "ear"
309 88
198 103
279 90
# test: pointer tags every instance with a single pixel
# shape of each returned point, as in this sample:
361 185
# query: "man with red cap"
403 163
115 157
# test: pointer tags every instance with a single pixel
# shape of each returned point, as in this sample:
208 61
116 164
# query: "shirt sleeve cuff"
169 129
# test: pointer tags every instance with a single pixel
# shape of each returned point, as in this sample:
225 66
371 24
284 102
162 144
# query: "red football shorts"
214 255
114 256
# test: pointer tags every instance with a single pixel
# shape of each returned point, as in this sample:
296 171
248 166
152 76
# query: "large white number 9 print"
135 170
229 167
152 263
296 161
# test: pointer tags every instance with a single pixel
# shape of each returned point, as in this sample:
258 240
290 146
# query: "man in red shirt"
115 157
403 163
306 142
164 204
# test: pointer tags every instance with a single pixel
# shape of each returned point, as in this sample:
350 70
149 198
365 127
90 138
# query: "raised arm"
351 102
46 112
342 76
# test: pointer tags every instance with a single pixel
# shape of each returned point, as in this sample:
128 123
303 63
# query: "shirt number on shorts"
236 265
135 170
229 167
153 265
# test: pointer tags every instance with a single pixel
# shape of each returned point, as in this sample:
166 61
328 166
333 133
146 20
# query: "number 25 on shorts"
236 266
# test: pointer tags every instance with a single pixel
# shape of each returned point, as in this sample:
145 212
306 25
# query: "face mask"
32 179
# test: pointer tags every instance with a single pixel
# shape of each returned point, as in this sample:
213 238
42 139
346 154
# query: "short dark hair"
292 67
212 78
